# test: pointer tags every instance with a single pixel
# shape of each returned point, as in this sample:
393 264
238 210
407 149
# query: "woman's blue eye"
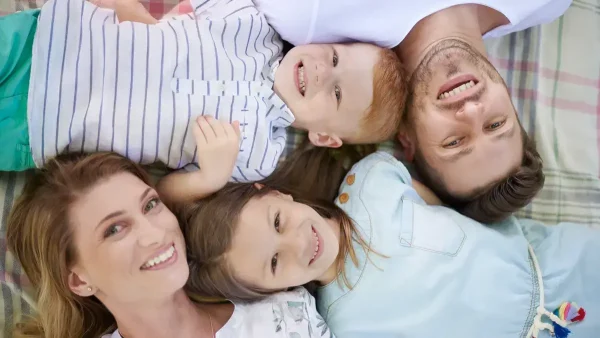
151 204
112 230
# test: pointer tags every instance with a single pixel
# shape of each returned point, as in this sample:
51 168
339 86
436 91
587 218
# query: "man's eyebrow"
459 155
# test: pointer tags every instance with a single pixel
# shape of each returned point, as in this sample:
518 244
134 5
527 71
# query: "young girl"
389 265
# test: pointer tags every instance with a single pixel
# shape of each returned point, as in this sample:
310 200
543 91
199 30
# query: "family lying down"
240 238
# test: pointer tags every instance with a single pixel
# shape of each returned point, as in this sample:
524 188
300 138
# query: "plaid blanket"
553 73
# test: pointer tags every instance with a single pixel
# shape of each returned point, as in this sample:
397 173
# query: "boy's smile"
328 88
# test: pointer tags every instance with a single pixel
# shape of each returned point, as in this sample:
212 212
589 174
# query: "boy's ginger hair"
390 91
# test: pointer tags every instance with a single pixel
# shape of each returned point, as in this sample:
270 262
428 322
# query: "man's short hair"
498 200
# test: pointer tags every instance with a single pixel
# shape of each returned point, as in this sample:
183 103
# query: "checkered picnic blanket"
553 73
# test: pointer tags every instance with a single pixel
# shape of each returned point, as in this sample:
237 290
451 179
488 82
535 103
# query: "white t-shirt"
387 22
291 314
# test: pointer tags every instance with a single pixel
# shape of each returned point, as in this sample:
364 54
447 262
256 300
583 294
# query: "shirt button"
344 197
350 179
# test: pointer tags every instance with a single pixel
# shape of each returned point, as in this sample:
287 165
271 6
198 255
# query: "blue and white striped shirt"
100 85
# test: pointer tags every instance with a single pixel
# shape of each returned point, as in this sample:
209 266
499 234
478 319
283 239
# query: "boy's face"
329 88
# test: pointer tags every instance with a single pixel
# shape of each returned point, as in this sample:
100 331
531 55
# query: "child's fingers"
217 126
236 128
206 128
198 134
232 130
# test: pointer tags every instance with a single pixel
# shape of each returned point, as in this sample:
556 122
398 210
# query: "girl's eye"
112 230
338 93
452 144
495 125
276 222
151 204
274 263
335 59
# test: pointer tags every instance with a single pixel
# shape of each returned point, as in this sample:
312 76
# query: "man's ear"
408 146
79 285
324 140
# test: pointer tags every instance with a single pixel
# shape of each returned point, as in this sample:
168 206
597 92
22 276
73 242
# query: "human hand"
218 145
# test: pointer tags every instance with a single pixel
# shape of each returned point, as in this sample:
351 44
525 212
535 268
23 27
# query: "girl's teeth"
456 90
317 246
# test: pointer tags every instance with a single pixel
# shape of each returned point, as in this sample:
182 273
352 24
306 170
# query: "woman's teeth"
160 258
301 79
317 246
456 90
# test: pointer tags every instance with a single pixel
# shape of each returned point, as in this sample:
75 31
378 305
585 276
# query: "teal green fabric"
16 40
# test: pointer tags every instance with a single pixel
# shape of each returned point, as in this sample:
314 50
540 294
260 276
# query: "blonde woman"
108 258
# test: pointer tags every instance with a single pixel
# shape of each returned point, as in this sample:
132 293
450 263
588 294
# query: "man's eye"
495 125
338 93
452 144
335 59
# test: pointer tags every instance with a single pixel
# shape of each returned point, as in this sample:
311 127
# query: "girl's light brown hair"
311 175
40 235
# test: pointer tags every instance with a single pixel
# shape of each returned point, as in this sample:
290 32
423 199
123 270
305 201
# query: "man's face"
462 118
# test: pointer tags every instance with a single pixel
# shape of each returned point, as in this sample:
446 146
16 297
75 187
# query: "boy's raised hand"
218 145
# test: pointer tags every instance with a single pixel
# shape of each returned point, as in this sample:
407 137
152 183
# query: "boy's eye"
338 93
274 263
113 230
335 59
276 222
151 204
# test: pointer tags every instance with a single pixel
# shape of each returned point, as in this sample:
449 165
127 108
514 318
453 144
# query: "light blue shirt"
437 273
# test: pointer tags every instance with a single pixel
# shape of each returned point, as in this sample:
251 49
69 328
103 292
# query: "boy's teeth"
160 258
456 90
301 79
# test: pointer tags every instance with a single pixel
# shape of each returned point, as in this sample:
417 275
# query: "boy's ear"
408 146
324 140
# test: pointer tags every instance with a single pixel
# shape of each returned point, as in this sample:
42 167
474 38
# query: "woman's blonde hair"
39 234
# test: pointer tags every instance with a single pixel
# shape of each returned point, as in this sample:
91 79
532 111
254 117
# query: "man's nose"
470 111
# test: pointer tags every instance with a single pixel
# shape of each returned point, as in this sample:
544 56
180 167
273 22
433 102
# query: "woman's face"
129 245
281 243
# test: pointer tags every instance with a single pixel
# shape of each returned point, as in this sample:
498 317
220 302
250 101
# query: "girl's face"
280 243
130 248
